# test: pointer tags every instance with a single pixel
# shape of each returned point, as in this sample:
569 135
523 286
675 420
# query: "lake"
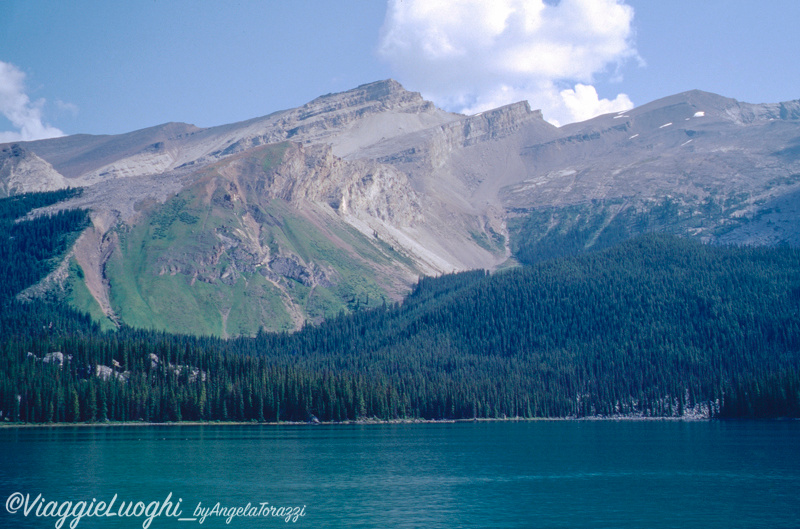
549 474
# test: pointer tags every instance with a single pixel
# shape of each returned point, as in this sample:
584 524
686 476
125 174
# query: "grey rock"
430 191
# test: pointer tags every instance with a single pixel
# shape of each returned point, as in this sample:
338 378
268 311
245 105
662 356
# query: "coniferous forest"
655 326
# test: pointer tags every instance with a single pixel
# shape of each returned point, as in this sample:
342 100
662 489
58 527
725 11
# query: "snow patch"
635 135
686 142
620 116
665 125
699 114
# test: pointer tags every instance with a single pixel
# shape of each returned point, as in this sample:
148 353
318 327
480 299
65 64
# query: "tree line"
655 326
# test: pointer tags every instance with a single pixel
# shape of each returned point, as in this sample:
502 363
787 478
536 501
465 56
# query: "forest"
655 326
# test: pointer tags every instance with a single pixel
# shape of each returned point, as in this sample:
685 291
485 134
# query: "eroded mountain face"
342 203
21 171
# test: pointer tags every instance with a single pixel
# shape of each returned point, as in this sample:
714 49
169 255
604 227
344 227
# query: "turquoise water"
569 474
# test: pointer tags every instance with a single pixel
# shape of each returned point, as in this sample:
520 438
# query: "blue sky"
103 67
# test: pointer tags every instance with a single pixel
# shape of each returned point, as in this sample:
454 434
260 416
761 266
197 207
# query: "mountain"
657 326
344 202
694 163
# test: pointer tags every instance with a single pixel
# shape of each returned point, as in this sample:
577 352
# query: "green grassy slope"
202 262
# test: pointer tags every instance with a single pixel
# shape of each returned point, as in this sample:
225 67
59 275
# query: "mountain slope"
347 200
694 163
655 327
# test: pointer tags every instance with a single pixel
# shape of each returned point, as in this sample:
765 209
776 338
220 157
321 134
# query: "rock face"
343 202
704 165
21 171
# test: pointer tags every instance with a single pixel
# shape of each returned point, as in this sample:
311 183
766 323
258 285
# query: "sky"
100 67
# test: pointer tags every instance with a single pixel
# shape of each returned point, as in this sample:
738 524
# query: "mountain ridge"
348 199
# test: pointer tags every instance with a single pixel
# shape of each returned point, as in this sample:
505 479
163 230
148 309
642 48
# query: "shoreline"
363 422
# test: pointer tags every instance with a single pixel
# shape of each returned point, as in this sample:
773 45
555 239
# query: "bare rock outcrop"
22 171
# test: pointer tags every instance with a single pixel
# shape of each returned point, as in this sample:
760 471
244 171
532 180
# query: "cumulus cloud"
472 55
25 115
584 103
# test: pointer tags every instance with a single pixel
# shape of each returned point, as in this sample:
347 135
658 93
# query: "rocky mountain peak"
500 122
719 107
368 98
347 199
22 171
387 90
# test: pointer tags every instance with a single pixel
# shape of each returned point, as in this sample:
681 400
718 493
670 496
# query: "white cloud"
25 115
471 55
584 103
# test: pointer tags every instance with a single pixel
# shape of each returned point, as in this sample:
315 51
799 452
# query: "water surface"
569 474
